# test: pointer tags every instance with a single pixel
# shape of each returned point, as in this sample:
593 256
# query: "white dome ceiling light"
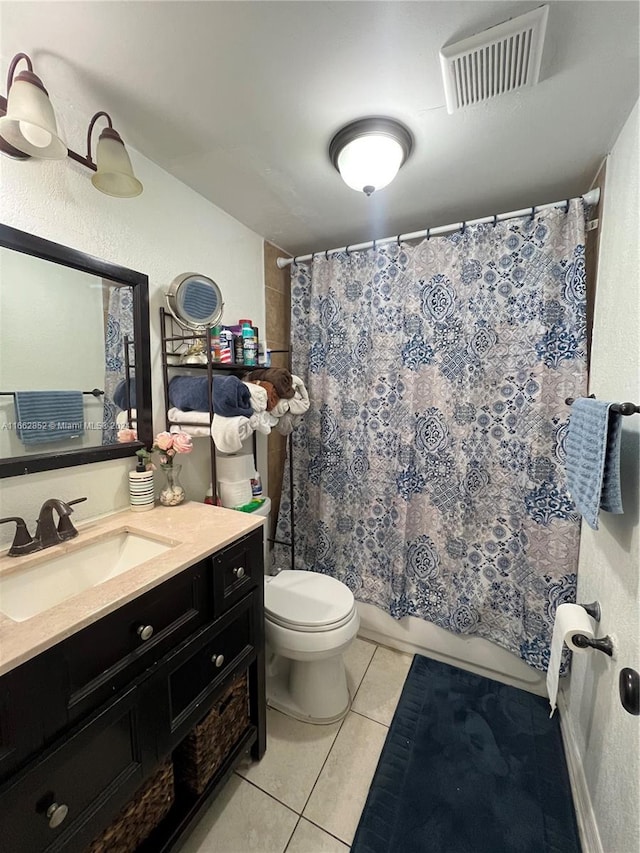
369 152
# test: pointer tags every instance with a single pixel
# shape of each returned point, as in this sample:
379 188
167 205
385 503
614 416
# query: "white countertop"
193 530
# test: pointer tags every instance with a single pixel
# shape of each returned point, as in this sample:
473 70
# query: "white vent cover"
498 60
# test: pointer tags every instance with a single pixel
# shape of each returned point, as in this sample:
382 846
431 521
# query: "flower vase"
172 494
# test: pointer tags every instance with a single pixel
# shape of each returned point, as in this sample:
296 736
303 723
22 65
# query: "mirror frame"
28 244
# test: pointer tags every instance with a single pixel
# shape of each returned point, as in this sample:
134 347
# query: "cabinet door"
104 657
236 570
27 721
197 672
64 799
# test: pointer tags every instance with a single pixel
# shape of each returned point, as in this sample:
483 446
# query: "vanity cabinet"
85 723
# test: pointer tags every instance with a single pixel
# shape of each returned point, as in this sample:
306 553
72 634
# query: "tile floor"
307 793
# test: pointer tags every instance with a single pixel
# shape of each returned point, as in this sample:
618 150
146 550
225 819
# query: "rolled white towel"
299 403
280 408
258 397
229 433
122 419
263 422
177 416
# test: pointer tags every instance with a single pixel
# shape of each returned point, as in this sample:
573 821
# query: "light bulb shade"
114 175
30 124
369 152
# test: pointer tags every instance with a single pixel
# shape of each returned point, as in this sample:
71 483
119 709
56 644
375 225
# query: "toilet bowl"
310 621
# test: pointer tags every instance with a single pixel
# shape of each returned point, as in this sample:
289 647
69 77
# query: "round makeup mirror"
195 301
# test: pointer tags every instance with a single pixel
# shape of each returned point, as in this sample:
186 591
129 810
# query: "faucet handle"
22 539
66 530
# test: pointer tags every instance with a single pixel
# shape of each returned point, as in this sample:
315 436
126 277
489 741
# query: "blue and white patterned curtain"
429 471
119 322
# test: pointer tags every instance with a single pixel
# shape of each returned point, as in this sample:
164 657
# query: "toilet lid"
307 600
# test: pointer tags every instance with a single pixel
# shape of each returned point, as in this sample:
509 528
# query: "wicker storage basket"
140 816
208 744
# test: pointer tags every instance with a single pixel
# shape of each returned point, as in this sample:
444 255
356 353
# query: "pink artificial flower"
164 441
125 435
182 442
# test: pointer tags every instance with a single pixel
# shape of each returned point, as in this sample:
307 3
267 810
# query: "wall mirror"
74 356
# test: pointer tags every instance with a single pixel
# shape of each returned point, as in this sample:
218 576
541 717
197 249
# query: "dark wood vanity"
84 723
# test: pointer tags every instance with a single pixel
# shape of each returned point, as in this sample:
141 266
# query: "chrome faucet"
47 534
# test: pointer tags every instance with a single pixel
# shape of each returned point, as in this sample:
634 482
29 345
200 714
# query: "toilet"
310 621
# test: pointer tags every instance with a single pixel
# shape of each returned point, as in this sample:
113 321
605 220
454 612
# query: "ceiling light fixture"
28 129
369 152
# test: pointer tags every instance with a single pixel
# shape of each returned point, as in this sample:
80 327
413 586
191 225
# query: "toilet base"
311 691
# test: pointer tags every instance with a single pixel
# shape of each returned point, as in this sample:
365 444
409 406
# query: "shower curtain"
429 471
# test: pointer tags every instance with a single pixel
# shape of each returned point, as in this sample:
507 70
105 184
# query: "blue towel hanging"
45 416
593 458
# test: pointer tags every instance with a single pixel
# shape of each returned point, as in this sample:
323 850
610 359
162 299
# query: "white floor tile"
341 790
356 660
242 819
295 754
307 838
382 685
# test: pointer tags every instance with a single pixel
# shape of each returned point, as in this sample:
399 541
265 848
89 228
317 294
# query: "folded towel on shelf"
45 416
231 397
194 430
258 397
229 433
122 419
177 416
272 394
593 458
120 394
279 377
299 403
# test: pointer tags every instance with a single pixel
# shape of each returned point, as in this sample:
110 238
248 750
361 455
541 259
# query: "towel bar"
622 408
95 393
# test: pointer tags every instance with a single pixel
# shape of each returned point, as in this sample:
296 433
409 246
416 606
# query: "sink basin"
29 591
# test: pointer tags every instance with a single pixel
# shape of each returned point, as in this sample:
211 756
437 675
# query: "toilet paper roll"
231 469
570 619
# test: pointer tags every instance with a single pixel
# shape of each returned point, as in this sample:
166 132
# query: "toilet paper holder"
593 610
602 644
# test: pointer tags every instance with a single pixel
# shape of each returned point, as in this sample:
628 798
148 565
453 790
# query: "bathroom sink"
33 589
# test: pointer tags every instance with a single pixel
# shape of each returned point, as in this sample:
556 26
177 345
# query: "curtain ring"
398 239
495 219
566 209
533 213
428 233
464 228
326 254
348 253
374 246
295 260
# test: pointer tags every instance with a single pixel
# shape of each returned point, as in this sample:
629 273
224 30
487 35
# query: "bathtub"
468 652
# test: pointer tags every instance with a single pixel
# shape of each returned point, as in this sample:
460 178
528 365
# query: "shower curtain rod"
590 199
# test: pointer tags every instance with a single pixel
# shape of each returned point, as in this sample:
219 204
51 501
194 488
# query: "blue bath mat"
469 766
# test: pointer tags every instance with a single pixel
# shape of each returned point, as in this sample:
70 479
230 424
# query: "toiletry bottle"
256 485
141 488
238 352
248 345
215 343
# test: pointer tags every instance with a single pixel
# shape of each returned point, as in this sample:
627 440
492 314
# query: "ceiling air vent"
499 60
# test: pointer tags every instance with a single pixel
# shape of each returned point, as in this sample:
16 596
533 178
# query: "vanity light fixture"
369 152
28 129
113 170
29 126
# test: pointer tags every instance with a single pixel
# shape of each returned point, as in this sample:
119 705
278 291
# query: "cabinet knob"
239 572
145 631
56 814
218 660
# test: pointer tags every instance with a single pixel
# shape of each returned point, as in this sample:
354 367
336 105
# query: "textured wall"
609 737
167 230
